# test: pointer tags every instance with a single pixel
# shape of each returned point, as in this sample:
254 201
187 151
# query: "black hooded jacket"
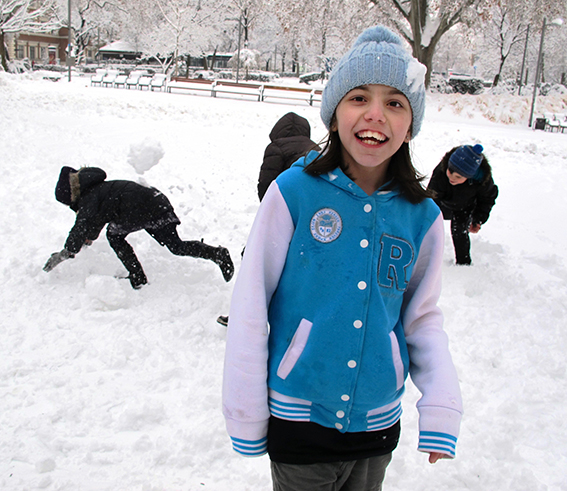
290 138
477 194
125 205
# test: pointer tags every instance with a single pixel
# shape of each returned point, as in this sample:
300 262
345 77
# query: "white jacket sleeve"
431 366
245 386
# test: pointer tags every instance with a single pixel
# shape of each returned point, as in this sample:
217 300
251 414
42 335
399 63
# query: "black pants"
460 223
166 236
355 475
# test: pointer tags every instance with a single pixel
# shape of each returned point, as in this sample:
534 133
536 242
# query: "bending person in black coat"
291 139
127 207
465 191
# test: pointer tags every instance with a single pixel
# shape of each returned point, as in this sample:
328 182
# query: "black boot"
137 280
222 258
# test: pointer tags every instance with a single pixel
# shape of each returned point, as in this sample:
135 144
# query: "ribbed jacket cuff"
248 439
438 430
250 448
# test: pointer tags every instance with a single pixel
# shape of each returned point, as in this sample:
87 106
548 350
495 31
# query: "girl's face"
372 121
455 178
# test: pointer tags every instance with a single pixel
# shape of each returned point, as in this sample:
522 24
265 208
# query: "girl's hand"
435 456
474 228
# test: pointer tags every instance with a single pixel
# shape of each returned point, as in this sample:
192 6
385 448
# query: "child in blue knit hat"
465 191
336 299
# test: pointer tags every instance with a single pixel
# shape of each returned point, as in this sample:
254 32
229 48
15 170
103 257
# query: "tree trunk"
425 57
3 52
497 77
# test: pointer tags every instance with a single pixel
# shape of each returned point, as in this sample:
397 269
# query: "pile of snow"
105 388
498 108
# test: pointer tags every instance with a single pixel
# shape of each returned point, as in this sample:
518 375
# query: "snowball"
145 155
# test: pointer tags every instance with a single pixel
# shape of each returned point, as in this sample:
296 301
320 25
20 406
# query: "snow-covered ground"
106 388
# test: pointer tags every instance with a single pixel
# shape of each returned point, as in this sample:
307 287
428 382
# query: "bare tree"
25 15
423 22
88 18
166 29
505 31
322 29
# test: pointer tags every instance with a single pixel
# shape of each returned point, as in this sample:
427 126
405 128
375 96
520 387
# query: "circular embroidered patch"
326 225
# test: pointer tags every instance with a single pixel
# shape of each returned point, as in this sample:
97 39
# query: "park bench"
197 84
97 77
237 88
109 78
259 91
555 121
158 81
144 81
293 93
134 78
120 81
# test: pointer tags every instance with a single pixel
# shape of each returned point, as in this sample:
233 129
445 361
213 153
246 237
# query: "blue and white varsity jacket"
335 303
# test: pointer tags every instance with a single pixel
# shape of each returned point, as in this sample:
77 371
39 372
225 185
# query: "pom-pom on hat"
377 57
63 188
466 160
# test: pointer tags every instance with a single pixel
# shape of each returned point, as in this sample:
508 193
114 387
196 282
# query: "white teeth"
372 134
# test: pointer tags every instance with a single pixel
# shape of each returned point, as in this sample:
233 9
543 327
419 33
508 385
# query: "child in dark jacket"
290 139
127 207
465 191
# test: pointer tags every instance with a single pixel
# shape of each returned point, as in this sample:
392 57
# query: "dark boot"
137 280
222 258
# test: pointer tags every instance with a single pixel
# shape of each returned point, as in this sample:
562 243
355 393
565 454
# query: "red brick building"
49 47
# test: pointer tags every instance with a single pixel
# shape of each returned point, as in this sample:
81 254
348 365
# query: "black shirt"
292 442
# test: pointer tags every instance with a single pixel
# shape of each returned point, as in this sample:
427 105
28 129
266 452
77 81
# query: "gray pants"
355 475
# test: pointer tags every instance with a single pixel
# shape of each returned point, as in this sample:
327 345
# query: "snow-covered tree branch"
26 15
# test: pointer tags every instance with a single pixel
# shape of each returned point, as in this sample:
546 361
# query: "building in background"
46 48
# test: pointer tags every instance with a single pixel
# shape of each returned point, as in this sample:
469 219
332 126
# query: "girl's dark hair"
401 171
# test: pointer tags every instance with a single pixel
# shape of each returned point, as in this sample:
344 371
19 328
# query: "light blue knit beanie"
377 57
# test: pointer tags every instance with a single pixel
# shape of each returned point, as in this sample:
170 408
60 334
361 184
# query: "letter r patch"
395 257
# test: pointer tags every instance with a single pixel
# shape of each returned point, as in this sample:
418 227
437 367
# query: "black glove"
56 258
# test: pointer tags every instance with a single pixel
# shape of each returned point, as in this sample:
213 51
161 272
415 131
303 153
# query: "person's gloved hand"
56 258
474 228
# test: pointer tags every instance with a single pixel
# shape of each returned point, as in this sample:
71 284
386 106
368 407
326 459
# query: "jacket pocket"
295 349
397 359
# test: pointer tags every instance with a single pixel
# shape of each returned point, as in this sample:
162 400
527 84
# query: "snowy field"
106 388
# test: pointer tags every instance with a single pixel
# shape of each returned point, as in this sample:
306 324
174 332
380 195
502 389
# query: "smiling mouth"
371 137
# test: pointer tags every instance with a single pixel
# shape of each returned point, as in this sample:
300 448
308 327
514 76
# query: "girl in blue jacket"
336 299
